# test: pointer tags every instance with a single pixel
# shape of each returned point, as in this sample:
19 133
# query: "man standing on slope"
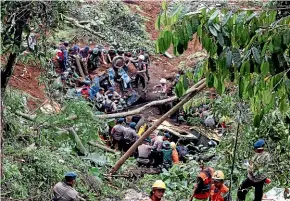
257 171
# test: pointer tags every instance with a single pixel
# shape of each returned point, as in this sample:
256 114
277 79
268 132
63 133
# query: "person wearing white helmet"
141 72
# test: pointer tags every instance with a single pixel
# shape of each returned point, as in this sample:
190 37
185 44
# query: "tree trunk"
196 88
102 147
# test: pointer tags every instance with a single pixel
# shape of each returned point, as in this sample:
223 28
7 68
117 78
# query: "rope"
235 148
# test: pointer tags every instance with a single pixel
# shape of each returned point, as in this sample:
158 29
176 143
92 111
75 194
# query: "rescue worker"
162 95
257 170
109 104
157 193
102 51
182 151
111 54
202 187
219 191
166 137
141 72
64 191
116 95
167 155
144 151
60 58
100 98
84 57
175 158
146 61
130 136
94 59
117 133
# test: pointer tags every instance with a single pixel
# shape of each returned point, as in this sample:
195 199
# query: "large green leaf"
199 30
97 158
256 54
265 67
229 58
212 30
213 16
236 57
167 39
286 37
227 17
283 107
245 68
210 80
220 39
157 23
179 88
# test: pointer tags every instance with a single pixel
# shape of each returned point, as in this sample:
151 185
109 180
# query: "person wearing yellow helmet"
219 191
157 193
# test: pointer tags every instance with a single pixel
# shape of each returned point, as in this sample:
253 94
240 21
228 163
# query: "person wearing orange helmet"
219 191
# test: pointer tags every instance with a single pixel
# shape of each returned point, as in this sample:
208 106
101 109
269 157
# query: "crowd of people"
158 150
209 184
77 65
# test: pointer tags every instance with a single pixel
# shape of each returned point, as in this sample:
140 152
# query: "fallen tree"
144 107
192 92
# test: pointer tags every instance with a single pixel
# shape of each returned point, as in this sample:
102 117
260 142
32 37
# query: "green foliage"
29 173
115 21
248 48
86 124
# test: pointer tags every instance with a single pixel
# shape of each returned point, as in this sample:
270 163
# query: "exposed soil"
25 78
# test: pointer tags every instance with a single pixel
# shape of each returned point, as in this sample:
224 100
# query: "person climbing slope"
257 172
219 191
157 193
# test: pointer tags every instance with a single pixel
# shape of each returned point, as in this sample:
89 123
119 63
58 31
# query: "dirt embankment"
162 66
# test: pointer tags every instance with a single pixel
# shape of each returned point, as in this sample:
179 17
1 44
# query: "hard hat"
218 175
172 145
141 57
159 184
259 144
87 48
132 125
163 81
111 88
71 174
75 47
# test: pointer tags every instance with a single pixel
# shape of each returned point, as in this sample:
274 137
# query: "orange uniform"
202 188
218 194
175 157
